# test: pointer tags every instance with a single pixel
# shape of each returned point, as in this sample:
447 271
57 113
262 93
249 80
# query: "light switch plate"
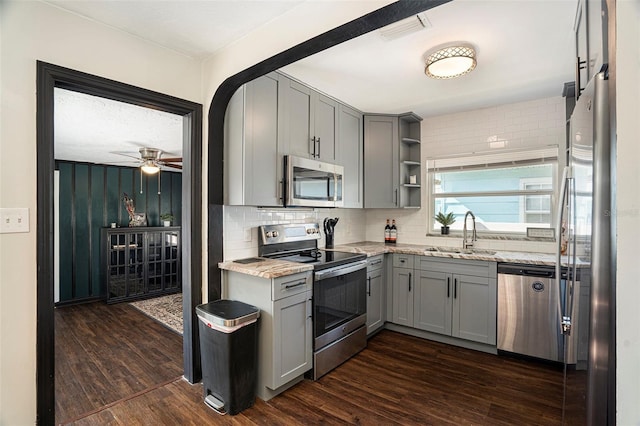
14 220
541 232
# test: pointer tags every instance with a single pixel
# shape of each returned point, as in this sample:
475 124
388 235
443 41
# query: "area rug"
167 310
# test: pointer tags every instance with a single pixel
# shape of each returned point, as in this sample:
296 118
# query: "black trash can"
228 350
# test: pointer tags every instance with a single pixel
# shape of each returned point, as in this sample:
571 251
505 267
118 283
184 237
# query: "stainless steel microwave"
312 183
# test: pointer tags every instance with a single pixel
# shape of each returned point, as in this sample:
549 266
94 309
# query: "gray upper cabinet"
351 155
254 163
273 116
381 173
310 121
591 50
392 161
410 160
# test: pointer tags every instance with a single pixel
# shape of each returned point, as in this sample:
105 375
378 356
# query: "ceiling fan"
150 160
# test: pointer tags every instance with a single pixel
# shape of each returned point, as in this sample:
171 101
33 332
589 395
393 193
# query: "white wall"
520 125
628 212
33 31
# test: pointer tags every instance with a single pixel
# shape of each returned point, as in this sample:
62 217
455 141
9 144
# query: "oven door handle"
340 270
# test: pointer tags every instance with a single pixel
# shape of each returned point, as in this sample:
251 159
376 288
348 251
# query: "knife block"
328 241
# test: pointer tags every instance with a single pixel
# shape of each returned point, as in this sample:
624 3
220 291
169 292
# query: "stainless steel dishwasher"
528 318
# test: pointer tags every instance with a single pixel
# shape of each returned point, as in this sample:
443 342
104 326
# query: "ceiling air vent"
406 26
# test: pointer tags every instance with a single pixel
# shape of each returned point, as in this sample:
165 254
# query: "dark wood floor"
108 352
398 379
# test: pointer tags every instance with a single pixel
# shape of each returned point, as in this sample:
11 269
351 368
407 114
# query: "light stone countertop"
273 268
267 268
371 248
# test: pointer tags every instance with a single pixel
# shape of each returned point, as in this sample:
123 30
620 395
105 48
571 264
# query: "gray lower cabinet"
452 297
310 121
351 156
403 289
285 326
457 298
253 169
375 293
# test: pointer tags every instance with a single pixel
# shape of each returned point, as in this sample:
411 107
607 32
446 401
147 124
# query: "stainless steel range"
339 291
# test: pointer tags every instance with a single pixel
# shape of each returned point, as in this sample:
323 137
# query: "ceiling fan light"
150 167
450 62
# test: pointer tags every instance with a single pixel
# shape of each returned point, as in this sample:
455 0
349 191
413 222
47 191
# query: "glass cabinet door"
154 265
171 265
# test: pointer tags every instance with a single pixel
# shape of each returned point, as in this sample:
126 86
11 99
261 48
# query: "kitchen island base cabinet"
284 329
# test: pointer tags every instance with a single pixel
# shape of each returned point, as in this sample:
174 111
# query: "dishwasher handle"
545 274
526 270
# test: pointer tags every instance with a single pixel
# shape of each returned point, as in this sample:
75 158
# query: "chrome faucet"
465 239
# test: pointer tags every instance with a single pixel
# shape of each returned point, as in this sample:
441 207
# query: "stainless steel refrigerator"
585 221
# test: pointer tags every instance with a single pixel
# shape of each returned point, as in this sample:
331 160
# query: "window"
506 192
536 208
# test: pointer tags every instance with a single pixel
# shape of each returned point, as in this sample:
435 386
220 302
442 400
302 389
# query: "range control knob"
274 234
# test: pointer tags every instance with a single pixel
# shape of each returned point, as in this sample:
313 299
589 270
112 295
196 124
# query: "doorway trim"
50 76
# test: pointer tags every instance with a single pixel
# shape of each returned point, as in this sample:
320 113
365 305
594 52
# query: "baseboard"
482 347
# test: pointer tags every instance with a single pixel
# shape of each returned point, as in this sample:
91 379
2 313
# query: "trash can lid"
228 313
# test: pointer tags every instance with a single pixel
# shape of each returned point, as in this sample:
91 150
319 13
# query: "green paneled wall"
90 199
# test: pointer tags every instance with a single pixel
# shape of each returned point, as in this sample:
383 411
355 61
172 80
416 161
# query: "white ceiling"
524 51
98 130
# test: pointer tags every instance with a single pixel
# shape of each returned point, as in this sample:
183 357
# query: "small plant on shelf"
445 220
166 219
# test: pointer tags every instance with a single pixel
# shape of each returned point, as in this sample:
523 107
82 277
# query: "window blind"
490 160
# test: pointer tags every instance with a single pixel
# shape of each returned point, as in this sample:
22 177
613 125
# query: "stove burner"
315 254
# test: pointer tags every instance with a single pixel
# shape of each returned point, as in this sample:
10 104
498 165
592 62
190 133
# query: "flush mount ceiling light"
150 167
451 61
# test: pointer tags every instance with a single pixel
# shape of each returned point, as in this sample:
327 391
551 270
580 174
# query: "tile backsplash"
241 226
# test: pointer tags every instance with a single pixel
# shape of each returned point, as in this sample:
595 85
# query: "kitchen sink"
460 251
449 250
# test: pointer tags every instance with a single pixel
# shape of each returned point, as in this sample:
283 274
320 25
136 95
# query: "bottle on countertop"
387 232
393 234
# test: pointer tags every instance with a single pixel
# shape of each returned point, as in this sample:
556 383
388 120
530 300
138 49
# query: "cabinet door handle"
298 284
376 262
579 67
448 287
368 286
455 288
313 152
395 197
409 281
318 142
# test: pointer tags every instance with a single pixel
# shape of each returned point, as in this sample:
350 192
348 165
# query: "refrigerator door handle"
566 176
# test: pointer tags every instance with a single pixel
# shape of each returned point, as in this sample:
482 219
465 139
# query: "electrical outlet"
14 220
247 234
